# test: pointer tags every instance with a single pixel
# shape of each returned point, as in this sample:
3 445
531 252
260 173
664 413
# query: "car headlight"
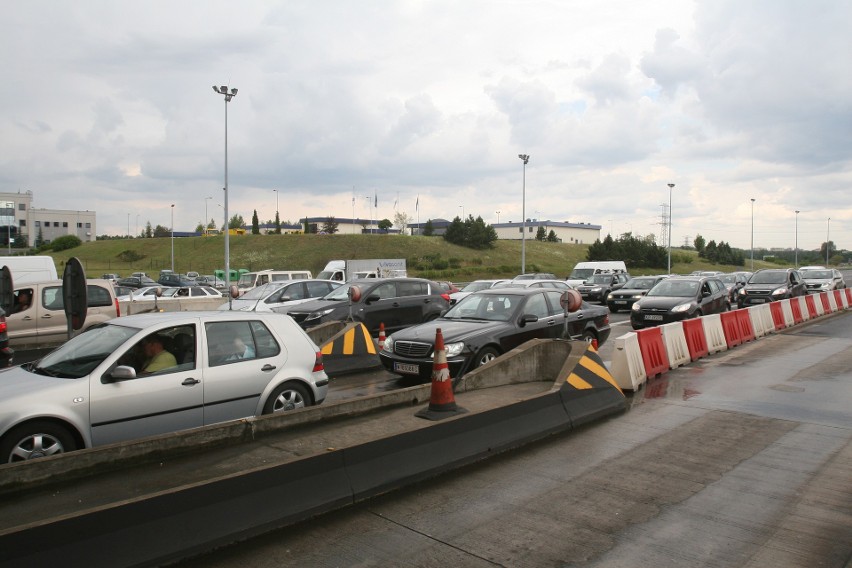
319 313
595 289
636 307
825 286
454 349
636 296
388 346
779 291
609 296
681 308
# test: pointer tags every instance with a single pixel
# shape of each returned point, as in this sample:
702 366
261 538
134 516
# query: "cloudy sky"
108 106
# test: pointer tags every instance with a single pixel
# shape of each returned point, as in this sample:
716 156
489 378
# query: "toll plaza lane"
743 458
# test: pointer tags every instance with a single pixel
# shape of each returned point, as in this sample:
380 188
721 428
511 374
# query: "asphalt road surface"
741 459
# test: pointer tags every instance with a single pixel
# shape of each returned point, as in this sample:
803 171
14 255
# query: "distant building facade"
19 217
572 233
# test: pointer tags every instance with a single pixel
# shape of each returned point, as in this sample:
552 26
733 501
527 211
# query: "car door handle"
190 382
396 304
267 367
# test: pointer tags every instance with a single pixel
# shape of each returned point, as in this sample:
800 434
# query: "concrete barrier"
314 460
832 302
826 305
796 309
695 339
628 370
731 329
653 350
803 308
745 325
811 304
789 320
714 333
778 315
674 340
838 300
349 350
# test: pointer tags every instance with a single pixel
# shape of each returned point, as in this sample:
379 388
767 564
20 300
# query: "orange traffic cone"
442 401
381 336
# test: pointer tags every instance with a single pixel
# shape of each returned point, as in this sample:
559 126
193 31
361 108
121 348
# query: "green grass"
428 257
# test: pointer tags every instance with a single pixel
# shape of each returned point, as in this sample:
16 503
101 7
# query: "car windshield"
675 288
817 274
260 292
581 273
728 278
485 307
341 293
81 354
516 285
600 279
768 277
476 286
640 283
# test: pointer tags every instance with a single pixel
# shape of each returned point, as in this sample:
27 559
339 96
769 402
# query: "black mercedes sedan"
678 298
486 324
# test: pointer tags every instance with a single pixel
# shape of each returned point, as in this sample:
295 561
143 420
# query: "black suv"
176 280
598 286
771 284
678 298
395 302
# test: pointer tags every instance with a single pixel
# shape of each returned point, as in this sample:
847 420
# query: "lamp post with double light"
228 94
796 253
526 159
752 234
827 240
669 244
206 218
173 237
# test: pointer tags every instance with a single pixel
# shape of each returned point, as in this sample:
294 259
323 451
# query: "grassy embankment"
429 257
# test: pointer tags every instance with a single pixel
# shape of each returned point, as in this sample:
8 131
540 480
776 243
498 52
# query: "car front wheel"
35 440
484 356
288 396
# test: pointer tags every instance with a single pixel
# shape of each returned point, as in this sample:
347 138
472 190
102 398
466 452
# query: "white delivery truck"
27 269
585 270
346 270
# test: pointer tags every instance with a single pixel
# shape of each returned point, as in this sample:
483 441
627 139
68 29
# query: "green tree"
428 228
65 242
385 224
277 224
160 231
699 244
149 232
540 234
255 224
551 237
330 226
199 228
236 222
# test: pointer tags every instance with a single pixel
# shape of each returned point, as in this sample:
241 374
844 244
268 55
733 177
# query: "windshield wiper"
44 371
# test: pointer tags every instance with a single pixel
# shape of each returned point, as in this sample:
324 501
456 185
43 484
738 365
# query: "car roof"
526 291
395 279
146 320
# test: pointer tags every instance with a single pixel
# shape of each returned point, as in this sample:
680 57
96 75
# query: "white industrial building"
19 217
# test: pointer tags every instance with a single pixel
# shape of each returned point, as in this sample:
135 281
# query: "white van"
585 270
26 269
249 280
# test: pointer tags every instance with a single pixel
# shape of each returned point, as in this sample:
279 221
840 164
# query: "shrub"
65 242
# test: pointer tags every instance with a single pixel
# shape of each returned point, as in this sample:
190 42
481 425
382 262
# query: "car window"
165 351
412 288
385 290
234 341
317 289
295 291
536 305
554 297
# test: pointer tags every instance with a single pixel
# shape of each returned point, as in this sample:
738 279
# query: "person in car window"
23 301
242 351
157 358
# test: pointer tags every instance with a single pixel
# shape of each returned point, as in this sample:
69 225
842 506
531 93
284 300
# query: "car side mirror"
372 298
527 318
704 293
120 373
284 299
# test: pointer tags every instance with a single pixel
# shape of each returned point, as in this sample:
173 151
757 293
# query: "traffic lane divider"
309 462
714 333
731 329
628 369
352 349
696 341
746 328
674 340
654 355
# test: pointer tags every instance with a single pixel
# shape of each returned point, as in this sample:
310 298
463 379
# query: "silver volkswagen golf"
151 374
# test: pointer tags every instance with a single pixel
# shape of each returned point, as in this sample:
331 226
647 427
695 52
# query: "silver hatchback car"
156 373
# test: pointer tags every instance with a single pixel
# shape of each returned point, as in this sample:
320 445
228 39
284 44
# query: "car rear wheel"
35 440
288 396
485 355
589 336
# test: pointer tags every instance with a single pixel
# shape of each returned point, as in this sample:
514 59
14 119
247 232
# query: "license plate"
653 317
758 300
406 368
621 301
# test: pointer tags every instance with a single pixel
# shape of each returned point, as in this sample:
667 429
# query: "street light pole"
498 217
277 219
827 240
173 237
797 240
669 245
223 90
206 219
525 158
462 217
752 234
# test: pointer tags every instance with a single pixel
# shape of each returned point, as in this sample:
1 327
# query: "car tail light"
117 309
606 319
3 327
445 296
318 366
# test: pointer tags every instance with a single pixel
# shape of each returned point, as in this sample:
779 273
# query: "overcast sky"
108 106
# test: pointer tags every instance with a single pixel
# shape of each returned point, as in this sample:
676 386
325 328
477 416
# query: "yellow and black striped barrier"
350 350
590 391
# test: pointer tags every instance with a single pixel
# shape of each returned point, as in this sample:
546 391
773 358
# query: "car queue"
162 372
